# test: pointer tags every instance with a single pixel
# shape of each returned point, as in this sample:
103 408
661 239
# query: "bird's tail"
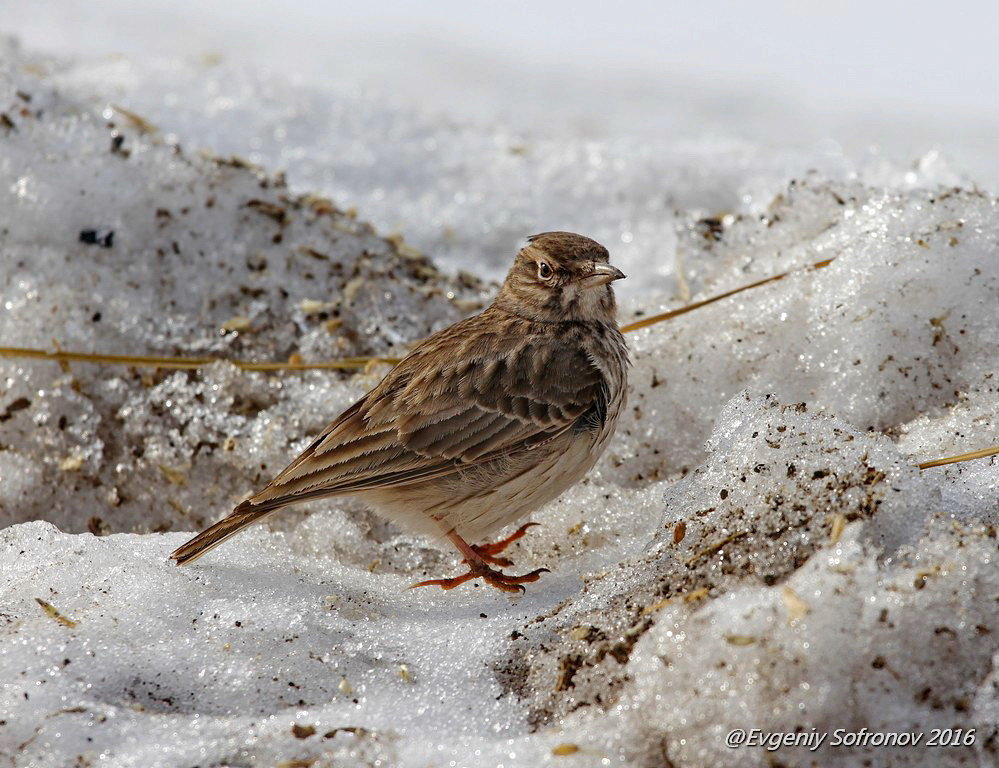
243 516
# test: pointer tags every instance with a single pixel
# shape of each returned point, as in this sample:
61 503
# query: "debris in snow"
757 549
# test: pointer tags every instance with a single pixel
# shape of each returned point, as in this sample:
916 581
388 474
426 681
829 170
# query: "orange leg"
478 559
488 552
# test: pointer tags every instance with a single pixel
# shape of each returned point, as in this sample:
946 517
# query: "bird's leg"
478 567
488 552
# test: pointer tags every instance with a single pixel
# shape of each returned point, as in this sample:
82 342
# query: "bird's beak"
603 274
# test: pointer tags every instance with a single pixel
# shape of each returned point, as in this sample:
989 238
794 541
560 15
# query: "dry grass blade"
360 363
647 321
52 611
138 121
993 451
347 363
158 361
716 547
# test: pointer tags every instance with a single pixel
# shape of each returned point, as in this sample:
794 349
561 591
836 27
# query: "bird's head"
561 276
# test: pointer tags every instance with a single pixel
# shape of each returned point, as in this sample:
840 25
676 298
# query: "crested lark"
483 422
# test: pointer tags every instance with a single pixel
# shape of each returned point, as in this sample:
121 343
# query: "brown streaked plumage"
483 422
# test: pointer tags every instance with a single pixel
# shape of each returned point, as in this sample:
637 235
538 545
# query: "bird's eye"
544 270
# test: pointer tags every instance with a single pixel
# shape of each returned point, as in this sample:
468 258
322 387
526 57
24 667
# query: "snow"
476 186
756 550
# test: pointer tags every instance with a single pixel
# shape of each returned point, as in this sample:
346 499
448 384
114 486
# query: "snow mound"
461 189
900 327
776 659
756 550
779 483
767 609
114 241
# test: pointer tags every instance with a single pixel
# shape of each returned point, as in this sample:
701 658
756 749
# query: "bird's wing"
435 414
466 396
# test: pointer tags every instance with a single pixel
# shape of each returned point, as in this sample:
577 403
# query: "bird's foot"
493 578
478 559
488 552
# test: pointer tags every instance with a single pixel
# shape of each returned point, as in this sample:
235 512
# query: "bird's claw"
489 551
498 579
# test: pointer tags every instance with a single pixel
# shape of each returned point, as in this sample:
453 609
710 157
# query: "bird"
481 423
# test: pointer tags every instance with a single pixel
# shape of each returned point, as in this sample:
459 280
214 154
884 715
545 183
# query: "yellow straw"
962 457
358 363
157 361
647 321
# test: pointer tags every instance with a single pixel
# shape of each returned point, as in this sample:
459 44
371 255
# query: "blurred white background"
621 117
854 70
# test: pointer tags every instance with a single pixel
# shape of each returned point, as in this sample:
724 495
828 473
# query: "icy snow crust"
755 551
196 255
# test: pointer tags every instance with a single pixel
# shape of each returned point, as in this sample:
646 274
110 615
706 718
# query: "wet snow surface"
756 550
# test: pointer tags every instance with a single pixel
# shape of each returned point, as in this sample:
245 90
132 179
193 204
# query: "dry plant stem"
646 322
51 610
711 549
347 363
181 363
359 363
993 451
